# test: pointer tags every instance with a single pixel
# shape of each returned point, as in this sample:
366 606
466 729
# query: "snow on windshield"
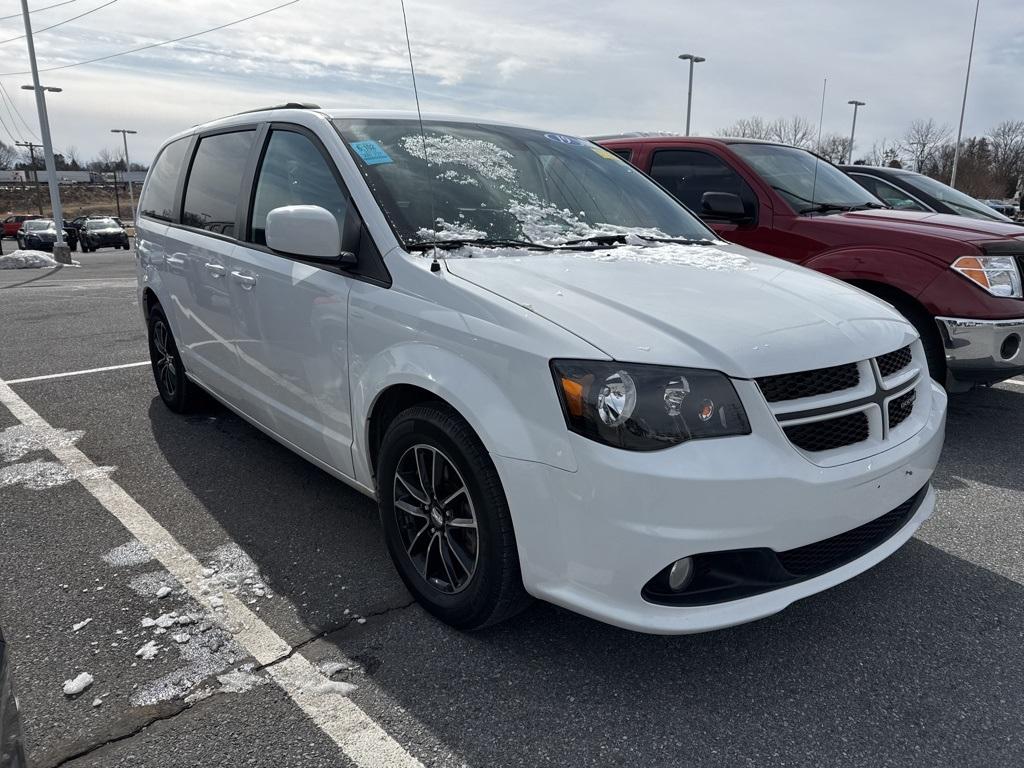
707 257
540 221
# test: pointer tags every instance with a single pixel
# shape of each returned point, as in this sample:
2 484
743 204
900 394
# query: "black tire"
493 591
176 390
926 326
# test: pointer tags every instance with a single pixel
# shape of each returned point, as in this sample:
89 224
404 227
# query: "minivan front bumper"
591 540
982 351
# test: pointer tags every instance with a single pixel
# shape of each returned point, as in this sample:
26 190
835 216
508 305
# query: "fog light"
1010 346
679 574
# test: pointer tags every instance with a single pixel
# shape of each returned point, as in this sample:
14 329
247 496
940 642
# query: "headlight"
996 274
646 407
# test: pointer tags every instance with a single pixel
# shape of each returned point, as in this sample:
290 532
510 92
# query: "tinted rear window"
215 182
158 197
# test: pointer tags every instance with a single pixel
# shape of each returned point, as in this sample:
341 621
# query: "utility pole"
689 91
35 172
853 130
127 168
117 195
963 106
61 252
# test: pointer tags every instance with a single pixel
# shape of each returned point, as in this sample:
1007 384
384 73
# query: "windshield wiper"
484 242
826 207
621 239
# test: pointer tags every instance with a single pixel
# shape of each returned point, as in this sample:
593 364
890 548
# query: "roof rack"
289 105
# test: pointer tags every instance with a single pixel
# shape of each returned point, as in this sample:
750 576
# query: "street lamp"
689 92
127 166
853 130
61 252
963 105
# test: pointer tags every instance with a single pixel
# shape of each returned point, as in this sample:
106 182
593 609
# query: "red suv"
13 223
957 280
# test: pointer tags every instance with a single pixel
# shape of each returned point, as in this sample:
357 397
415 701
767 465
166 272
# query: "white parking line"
1015 382
77 373
359 737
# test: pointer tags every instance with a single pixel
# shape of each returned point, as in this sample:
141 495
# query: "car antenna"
435 265
817 149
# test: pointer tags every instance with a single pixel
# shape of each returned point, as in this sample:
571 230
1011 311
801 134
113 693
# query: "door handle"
248 282
174 261
215 269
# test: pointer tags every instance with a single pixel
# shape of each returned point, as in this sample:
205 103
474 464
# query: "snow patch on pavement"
78 684
27 259
20 440
40 475
240 680
130 553
80 625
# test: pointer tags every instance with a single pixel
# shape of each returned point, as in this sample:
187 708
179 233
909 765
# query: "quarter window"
215 182
158 196
688 174
294 172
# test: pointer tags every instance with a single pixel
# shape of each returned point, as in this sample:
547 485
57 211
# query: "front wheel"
446 520
927 328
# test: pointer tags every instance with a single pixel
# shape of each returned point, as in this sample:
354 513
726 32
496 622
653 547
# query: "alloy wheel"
436 518
166 369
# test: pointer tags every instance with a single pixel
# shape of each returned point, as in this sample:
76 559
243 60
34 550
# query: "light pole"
127 167
963 106
61 252
689 91
853 130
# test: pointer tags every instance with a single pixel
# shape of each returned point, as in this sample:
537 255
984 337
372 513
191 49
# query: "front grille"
893 362
791 386
826 555
831 433
900 408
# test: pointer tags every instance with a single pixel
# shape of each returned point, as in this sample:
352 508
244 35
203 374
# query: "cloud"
578 67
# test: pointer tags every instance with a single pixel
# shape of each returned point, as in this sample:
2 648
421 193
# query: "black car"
40 235
102 233
12 750
908 191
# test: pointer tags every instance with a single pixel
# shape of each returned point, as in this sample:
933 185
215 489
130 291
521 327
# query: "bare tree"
1006 141
833 147
754 127
923 139
796 130
72 157
8 156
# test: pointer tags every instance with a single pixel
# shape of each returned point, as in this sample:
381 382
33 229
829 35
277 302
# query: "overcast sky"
584 68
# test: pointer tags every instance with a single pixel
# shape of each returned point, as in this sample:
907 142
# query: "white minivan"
554 379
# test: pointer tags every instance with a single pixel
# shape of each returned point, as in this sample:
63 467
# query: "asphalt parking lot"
919 661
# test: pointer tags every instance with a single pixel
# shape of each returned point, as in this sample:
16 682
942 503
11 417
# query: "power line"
156 45
38 10
59 23
17 112
8 130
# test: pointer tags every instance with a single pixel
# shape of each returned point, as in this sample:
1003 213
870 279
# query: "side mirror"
306 230
723 205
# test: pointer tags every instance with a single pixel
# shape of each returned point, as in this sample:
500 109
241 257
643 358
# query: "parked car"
41 234
554 380
102 233
958 280
909 191
1009 210
12 748
13 223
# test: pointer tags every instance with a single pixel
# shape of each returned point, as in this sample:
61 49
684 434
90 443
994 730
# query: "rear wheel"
446 520
178 393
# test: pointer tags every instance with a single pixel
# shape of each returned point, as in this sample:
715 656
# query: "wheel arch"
409 374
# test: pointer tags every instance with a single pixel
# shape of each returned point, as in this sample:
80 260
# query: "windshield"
501 183
100 224
35 224
963 204
803 179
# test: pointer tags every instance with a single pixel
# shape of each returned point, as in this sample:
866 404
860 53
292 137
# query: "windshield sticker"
561 138
371 152
602 152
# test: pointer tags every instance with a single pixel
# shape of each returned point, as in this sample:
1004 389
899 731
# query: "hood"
943 225
722 307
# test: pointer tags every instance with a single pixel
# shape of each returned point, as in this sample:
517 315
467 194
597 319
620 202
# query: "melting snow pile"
19 441
133 552
27 260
